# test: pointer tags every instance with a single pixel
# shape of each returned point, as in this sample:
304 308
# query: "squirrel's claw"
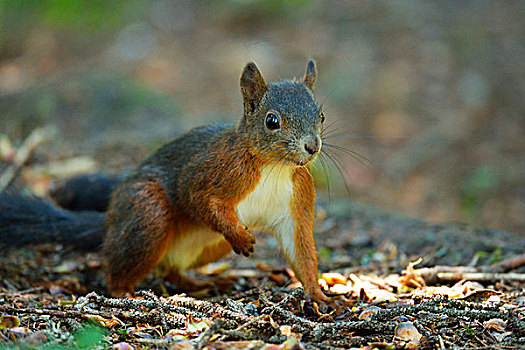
242 243
337 303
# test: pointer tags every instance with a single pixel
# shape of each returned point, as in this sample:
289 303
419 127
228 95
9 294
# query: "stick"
509 264
480 276
37 137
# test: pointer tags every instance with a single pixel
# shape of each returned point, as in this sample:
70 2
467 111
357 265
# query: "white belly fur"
267 207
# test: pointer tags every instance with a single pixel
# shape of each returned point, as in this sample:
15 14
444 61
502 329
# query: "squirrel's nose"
312 149
312 146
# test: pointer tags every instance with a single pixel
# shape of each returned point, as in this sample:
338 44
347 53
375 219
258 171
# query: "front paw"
242 241
336 303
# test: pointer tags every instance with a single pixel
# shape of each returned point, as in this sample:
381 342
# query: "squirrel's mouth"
303 161
295 158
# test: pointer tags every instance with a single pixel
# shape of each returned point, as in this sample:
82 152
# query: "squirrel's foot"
120 288
187 283
318 296
242 241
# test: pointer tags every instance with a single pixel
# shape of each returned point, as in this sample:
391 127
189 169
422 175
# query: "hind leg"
185 282
140 230
209 254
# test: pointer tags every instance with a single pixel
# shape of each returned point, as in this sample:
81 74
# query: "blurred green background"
432 93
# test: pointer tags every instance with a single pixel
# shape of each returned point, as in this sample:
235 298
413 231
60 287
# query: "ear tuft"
253 87
310 74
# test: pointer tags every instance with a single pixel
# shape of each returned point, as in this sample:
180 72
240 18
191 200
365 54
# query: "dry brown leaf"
214 268
332 278
407 336
411 278
9 321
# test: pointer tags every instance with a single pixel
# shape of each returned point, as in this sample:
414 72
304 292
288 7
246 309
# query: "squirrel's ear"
310 74
253 87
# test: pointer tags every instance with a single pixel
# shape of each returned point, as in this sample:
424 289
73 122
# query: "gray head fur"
297 140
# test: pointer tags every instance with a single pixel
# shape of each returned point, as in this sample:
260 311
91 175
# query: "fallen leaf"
122 346
407 336
340 289
195 327
411 278
367 313
213 268
66 267
9 321
104 322
286 330
333 278
20 330
495 324
291 343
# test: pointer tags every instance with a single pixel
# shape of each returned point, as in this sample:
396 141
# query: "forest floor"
463 296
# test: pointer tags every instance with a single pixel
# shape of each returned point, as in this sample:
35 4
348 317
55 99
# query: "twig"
290 318
209 308
37 137
68 313
438 273
430 274
178 307
138 304
264 313
22 292
509 264
322 330
206 336
481 276
155 342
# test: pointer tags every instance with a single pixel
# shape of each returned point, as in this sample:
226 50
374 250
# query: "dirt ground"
54 296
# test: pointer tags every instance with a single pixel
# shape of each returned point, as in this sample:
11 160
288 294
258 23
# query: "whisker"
342 136
332 132
357 156
327 127
339 169
326 175
330 92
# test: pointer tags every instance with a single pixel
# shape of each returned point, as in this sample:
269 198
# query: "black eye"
272 121
322 117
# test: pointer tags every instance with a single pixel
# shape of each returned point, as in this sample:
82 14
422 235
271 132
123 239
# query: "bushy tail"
86 192
26 219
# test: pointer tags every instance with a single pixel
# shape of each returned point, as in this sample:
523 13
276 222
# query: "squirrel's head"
282 118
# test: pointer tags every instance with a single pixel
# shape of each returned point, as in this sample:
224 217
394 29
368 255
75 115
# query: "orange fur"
212 254
125 266
305 263
215 187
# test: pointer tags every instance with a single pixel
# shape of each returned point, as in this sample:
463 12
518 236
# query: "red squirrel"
202 194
